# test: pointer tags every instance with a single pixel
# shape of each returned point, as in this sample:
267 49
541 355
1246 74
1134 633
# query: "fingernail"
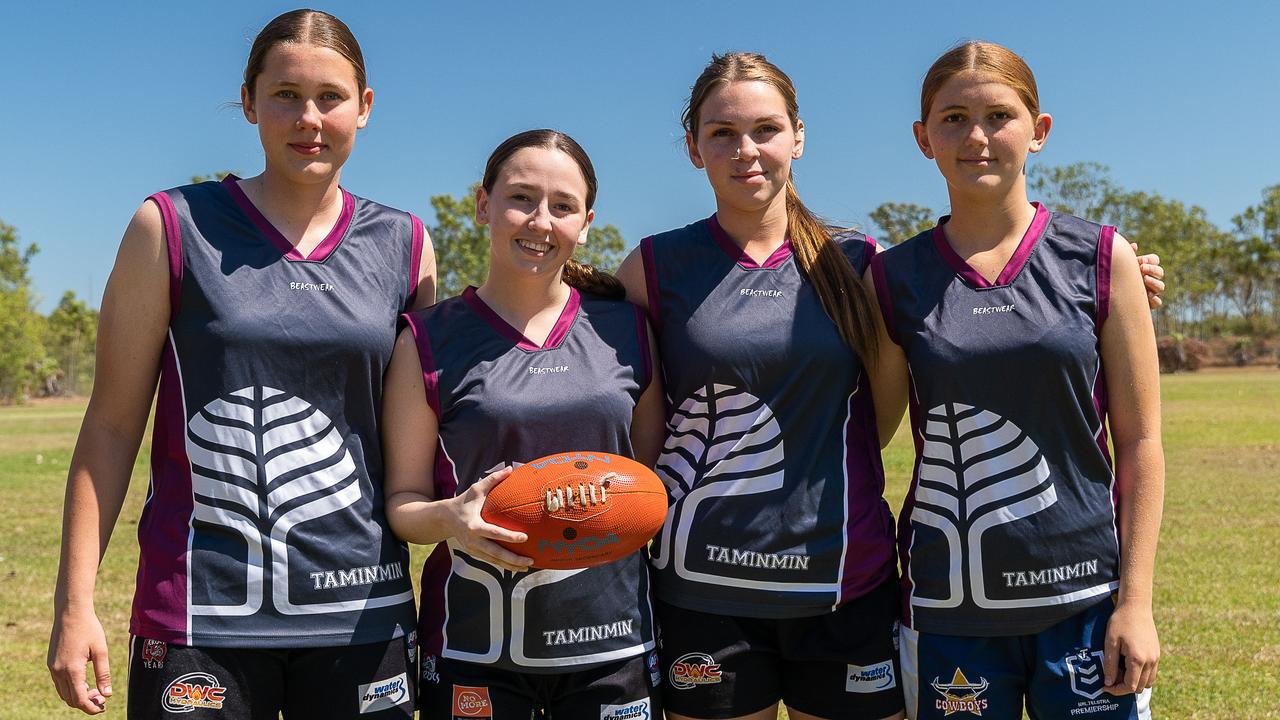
106 690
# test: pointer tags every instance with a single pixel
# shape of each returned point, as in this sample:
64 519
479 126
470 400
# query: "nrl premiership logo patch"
1084 668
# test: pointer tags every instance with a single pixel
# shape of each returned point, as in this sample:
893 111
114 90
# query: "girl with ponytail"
544 357
775 573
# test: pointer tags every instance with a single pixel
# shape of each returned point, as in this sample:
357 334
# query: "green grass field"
1217 583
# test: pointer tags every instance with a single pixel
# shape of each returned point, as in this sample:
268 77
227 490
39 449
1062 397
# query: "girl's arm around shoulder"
889 376
649 418
426 293
1133 387
131 335
410 431
632 273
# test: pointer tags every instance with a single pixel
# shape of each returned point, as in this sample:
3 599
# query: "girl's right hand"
475 536
76 641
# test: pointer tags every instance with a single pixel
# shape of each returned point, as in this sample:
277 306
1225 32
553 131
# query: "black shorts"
840 665
622 690
351 681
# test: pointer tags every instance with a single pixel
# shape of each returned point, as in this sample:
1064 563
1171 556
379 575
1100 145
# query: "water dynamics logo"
870 678
384 694
638 710
693 669
192 691
960 695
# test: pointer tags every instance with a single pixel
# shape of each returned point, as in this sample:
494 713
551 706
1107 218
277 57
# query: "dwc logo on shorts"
194 690
693 669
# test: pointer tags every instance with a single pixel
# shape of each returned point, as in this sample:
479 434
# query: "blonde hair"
987 58
839 288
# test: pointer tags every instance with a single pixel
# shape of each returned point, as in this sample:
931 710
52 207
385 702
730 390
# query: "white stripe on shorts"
909 662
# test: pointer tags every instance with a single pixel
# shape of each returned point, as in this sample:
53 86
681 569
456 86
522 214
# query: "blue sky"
110 102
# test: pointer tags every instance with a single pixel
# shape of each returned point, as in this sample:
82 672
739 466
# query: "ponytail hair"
578 275
839 288
589 278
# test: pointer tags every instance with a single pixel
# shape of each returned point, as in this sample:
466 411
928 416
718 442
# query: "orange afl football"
579 509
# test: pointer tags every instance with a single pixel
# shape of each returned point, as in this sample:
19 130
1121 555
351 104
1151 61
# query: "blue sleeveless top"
501 399
772 459
1009 526
264 522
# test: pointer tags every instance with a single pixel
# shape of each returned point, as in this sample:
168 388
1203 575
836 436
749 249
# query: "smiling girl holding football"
265 308
1028 556
544 357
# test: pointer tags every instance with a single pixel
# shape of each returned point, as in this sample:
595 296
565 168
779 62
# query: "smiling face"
749 120
979 132
307 107
536 212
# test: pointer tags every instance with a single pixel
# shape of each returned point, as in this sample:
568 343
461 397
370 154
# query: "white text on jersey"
751 558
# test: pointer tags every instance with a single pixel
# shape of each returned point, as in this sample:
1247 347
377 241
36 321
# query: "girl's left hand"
1132 650
1152 277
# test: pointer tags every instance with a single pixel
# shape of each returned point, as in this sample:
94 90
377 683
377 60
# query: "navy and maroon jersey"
1009 526
264 523
772 459
501 399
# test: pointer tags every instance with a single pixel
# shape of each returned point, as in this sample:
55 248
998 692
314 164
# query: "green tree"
901 221
1253 277
22 357
462 245
70 334
1080 189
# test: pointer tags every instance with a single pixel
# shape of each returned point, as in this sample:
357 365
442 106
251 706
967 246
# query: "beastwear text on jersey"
749 292
321 287
571 636
993 309
751 558
545 370
357 576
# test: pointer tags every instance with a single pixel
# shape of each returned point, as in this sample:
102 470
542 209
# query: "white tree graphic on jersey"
973 462
252 452
721 441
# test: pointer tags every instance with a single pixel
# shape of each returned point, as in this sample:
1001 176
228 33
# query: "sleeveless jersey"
1009 525
501 399
772 459
264 523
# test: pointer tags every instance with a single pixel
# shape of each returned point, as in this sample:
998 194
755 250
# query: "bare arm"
131 333
410 431
631 273
889 376
426 296
648 420
1133 386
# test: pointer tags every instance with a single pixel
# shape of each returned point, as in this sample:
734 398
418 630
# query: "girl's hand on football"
475 536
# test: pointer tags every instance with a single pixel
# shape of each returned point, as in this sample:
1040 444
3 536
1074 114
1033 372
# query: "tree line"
1223 281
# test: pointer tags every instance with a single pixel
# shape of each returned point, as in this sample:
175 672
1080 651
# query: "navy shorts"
374 681
1057 673
839 665
621 690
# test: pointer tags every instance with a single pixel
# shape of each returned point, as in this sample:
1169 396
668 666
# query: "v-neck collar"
1011 268
740 256
320 252
558 332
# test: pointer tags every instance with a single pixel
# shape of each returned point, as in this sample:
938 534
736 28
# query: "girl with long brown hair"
774 574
